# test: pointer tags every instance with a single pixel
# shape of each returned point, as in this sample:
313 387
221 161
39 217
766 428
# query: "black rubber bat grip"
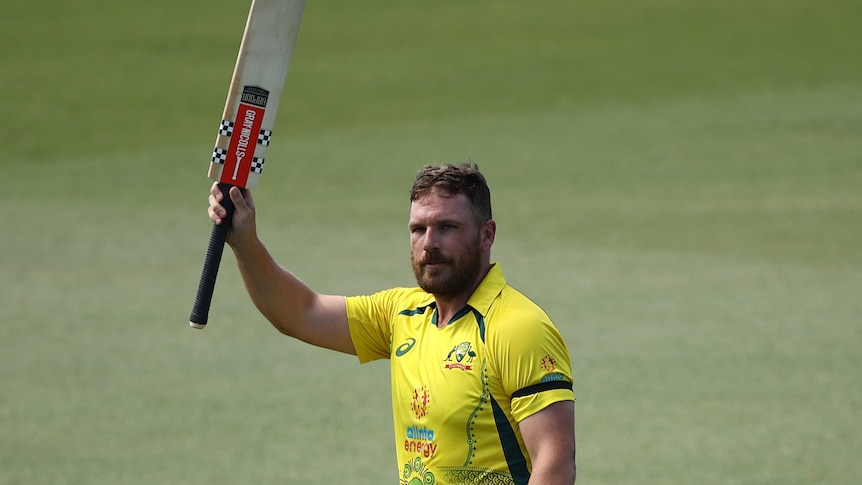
201 309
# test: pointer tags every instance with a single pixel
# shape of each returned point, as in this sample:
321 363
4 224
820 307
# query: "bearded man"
481 379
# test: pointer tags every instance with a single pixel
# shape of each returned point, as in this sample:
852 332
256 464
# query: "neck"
446 309
449 306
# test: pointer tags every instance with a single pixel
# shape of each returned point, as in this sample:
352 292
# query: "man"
481 378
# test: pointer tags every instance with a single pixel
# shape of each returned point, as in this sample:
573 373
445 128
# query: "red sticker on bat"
243 141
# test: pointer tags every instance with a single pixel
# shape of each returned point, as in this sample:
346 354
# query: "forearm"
563 474
279 296
289 304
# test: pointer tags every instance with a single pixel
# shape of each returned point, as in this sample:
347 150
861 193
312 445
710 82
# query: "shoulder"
518 324
371 319
389 302
502 305
514 309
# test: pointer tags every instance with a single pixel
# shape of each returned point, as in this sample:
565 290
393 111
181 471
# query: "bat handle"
201 309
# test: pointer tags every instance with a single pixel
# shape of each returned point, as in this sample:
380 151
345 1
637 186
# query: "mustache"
432 257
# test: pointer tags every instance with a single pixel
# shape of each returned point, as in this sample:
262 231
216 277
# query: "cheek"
415 245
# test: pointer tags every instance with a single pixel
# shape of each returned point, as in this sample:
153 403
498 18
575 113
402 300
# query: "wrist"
245 245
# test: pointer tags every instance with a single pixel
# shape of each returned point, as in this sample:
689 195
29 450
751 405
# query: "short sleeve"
370 327
533 361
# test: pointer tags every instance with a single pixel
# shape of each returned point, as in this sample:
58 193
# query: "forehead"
434 207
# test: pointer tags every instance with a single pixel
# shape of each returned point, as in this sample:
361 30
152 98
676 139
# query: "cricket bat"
246 126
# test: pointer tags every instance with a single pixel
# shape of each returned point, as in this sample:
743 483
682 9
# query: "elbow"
284 327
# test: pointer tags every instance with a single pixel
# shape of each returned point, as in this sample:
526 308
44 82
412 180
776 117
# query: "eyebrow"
437 222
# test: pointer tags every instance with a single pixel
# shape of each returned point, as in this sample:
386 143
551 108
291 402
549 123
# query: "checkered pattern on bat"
264 137
220 156
256 165
226 129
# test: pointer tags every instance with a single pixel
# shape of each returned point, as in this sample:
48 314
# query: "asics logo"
405 347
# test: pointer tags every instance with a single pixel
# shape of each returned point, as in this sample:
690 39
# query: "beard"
448 277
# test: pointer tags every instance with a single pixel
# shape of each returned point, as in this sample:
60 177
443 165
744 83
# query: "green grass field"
678 183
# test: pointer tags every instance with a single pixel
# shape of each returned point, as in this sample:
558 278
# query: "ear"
488 232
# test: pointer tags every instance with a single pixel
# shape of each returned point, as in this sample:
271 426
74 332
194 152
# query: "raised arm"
289 304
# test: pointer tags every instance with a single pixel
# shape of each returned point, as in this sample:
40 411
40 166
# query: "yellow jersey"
458 392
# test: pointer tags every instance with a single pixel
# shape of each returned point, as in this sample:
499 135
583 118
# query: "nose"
430 240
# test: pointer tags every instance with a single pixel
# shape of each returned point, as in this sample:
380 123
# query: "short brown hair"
464 178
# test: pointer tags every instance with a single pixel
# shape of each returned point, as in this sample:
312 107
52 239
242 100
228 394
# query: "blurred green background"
679 184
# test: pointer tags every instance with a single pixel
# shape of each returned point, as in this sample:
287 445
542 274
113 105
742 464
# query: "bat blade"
247 121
